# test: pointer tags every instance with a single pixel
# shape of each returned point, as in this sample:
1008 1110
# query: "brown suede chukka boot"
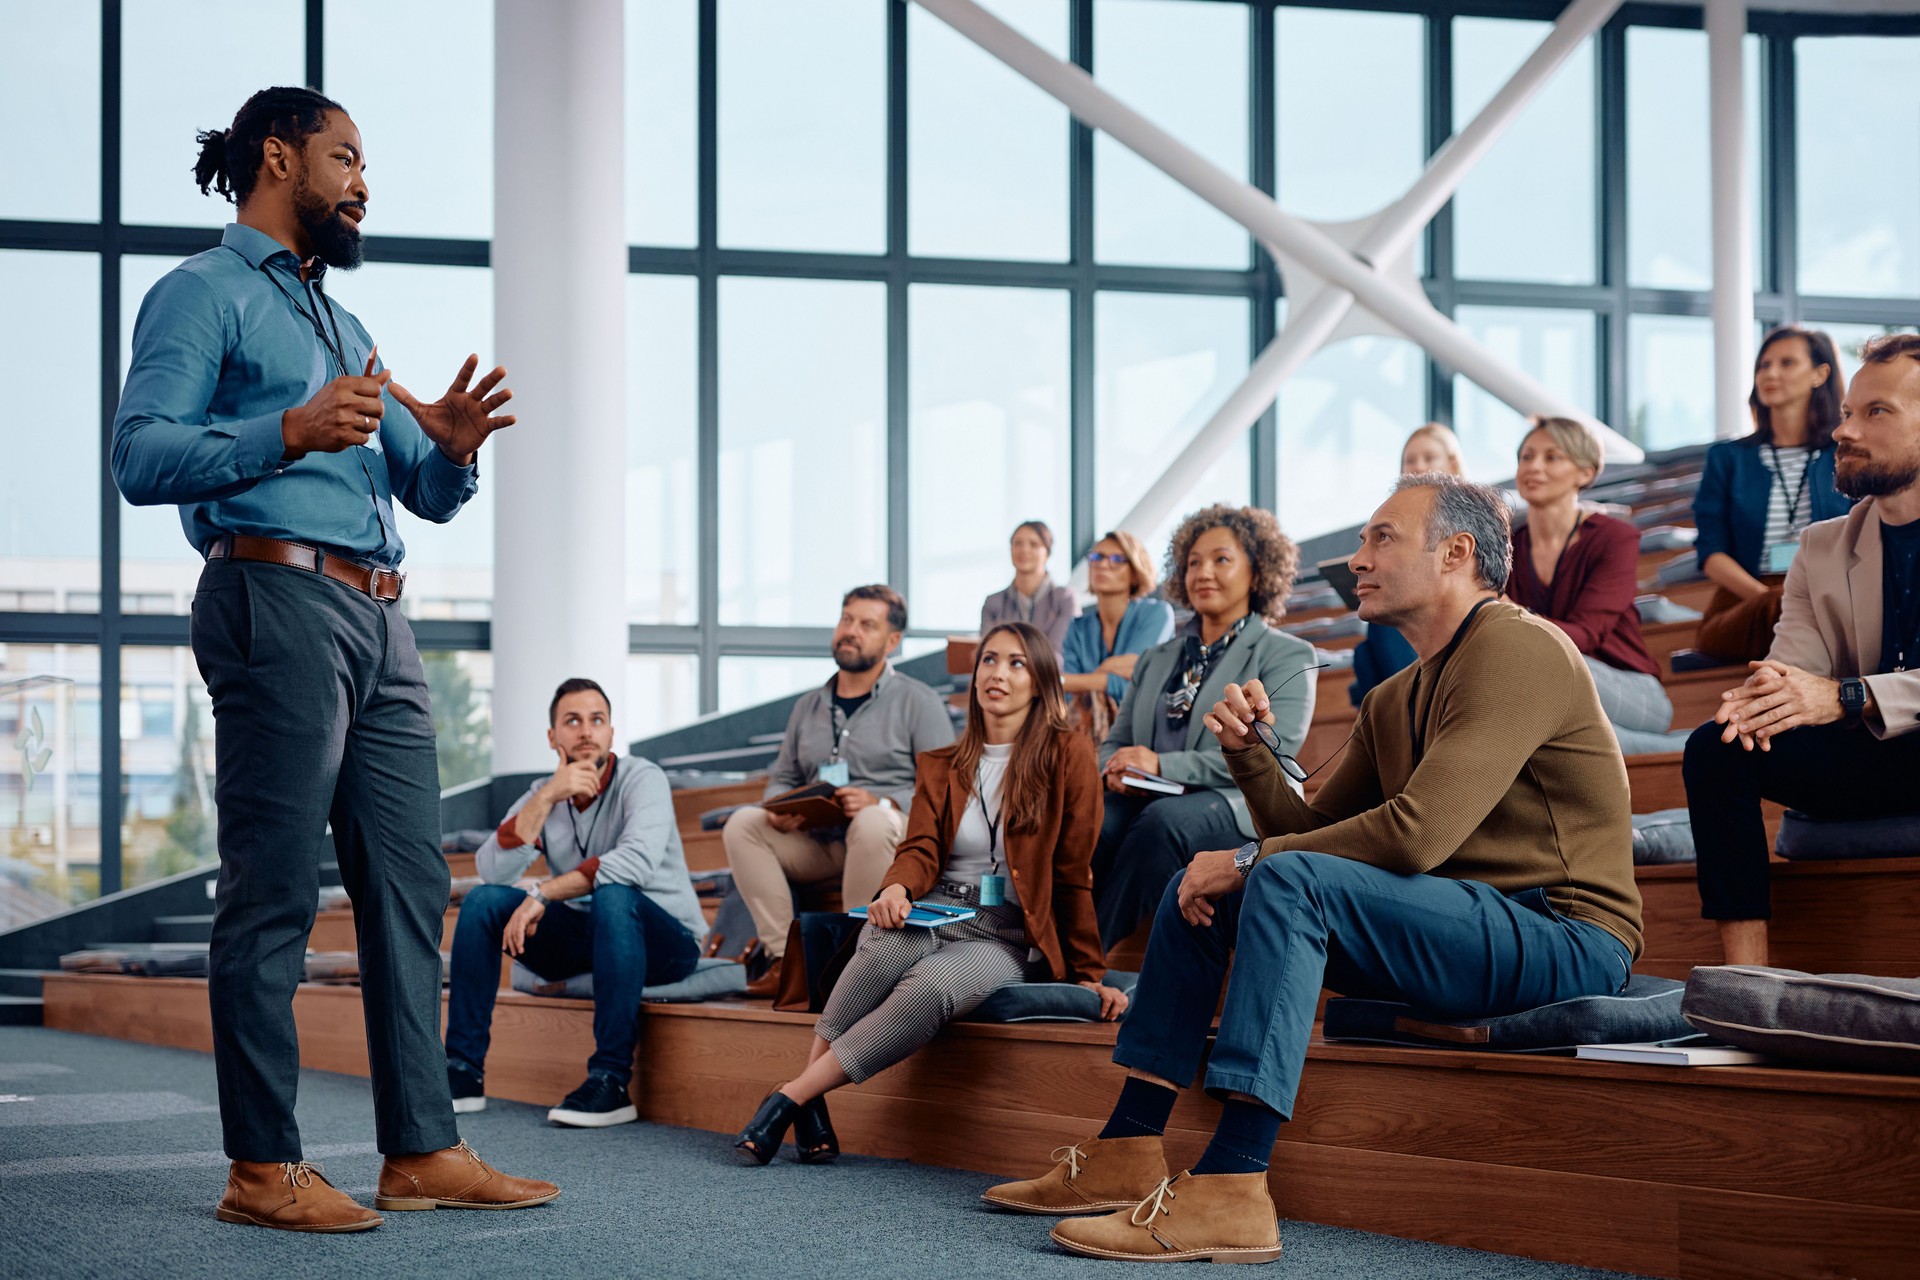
1093 1176
1218 1217
290 1196
454 1178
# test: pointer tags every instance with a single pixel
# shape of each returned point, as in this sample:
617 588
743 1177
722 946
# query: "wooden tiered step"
1702 1173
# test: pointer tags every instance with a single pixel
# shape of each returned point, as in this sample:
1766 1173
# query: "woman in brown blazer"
1004 823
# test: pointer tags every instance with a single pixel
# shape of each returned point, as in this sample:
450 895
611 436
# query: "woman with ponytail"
1003 823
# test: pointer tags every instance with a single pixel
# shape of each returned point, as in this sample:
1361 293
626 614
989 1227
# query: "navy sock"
1244 1141
1141 1112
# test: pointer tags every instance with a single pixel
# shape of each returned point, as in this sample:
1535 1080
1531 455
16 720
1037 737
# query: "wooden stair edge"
1102 1036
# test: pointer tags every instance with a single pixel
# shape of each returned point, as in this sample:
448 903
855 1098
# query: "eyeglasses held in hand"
1097 558
1271 740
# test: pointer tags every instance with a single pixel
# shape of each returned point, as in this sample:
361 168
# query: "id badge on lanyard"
834 772
1779 556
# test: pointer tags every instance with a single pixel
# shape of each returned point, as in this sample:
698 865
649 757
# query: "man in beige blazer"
1826 724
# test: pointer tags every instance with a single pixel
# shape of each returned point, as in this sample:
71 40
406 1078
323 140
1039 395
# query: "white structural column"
1406 310
559 304
1733 336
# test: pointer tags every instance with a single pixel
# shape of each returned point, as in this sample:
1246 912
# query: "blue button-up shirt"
219 353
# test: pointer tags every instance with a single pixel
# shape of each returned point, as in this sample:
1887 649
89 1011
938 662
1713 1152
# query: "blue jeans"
627 942
1456 948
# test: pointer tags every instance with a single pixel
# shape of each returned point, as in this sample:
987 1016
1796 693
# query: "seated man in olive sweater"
1471 854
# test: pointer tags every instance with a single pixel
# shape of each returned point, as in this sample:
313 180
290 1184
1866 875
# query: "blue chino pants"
1455 948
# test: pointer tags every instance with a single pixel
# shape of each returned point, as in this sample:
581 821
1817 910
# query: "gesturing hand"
342 414
889 910
459 421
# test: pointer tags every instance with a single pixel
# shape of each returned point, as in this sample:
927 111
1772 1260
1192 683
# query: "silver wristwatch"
1245 856
540 897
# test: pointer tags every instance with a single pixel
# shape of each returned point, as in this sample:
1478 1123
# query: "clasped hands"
1774 699
347 412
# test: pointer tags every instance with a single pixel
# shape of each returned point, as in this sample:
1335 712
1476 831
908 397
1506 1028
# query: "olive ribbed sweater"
1520 785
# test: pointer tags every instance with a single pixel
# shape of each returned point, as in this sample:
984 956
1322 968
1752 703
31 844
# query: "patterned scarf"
1183 688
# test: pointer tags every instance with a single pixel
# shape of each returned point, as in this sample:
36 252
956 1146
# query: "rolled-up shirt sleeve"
165 448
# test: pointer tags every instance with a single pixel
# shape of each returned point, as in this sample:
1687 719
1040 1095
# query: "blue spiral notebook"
929 915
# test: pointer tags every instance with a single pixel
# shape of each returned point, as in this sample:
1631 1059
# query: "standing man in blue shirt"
261 409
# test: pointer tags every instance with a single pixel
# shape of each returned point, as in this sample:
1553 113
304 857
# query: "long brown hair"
1823 408
1036 752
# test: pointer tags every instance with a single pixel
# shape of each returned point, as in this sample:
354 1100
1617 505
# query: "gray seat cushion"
1806 839
1662 837
1649 1009
1819 1019
1046 1001
710 979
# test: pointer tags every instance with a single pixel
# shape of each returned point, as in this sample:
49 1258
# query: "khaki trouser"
765 862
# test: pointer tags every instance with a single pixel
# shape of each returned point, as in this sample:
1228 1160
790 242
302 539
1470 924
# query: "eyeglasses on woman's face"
1098 558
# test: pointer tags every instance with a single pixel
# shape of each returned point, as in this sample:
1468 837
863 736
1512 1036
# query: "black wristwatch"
1853 699
1245 856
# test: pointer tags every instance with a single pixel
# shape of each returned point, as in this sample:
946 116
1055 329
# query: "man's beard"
336 241
1875 479
849 659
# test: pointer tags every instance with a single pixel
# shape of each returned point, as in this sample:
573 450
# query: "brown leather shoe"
767 985
290 1196
454 1178
1093 1176
1221 1217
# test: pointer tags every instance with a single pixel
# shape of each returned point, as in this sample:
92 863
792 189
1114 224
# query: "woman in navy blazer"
1780 476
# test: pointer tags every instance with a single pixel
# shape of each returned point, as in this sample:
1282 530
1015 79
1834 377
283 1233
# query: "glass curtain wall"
879 316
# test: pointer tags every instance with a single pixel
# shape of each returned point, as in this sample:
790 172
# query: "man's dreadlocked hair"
230 159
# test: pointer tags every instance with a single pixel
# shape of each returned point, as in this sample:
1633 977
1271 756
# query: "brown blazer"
1830 616
1052 865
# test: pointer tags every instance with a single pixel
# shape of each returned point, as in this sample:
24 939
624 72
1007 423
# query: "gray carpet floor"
110 1166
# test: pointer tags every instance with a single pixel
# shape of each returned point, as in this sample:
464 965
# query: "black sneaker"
469 1093
595 1105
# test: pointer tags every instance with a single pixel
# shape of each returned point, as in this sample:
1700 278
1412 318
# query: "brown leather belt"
380 584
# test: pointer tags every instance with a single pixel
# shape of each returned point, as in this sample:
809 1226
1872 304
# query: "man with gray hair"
1470 854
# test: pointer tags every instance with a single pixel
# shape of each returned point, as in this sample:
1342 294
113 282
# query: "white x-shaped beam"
1352 276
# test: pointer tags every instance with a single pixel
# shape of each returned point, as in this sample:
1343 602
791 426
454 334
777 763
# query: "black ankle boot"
764 1133
813 1136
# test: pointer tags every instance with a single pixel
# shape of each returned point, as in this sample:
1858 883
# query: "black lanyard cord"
993 832
1780 482
580 846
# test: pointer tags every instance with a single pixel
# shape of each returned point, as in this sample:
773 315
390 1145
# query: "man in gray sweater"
860 733
618 904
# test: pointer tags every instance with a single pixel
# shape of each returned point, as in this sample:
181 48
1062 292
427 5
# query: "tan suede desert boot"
1093 1176
1219 1217
290 1196
454 1178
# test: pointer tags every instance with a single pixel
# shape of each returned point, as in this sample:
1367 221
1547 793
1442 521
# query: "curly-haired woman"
1234 568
